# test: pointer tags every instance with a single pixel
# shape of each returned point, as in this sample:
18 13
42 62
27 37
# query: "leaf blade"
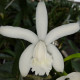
77 55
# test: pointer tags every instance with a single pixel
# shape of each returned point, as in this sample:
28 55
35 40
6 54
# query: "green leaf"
7 67
8 51
5 56
19 47
17 20
73 46
68 67
4 74
76 64
8 79
77 55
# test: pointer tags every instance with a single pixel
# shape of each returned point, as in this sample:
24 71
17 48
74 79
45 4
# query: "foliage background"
22 13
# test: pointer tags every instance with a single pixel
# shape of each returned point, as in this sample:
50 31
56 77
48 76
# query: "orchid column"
41 55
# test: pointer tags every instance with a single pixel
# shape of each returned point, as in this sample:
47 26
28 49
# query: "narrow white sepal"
25 60
41 20
61 31
17 32
71 76
58 62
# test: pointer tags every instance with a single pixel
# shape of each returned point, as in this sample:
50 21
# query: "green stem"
62 74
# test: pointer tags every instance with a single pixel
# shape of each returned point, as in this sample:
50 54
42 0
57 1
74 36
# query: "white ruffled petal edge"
71 76
62 31
58 62
41 20
25 60
17 32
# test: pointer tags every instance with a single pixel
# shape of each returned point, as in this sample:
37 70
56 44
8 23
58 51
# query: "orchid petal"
74 76
61 78
58 62
25 60
41 20
17 32
61 31
71 76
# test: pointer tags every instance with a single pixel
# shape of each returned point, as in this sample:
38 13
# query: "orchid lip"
41 59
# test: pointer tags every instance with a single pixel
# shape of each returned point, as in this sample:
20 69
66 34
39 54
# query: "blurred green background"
22 13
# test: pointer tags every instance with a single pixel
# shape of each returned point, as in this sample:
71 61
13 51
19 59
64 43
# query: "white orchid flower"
75 0
41 55
71 76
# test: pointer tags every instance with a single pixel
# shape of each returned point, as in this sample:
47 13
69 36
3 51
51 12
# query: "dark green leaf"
76 64
17 20
9 52
5 56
